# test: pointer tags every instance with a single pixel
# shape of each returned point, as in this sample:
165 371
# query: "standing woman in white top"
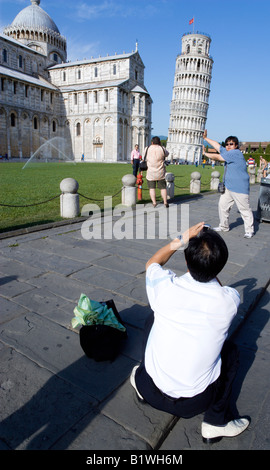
156 170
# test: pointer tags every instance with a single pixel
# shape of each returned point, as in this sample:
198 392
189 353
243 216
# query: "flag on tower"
191 21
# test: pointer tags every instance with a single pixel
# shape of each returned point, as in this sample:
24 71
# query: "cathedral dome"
35 18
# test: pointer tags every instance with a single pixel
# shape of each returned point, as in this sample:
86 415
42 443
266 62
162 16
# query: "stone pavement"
54 397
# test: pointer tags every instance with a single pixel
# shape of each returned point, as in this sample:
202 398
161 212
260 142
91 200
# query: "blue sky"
239 101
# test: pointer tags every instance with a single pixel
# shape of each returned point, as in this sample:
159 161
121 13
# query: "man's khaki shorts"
161 184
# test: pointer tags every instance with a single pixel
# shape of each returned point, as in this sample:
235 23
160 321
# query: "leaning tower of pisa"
189 105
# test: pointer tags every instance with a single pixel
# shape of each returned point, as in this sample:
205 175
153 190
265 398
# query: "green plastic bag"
90 312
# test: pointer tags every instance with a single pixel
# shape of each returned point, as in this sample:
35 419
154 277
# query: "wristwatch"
180 238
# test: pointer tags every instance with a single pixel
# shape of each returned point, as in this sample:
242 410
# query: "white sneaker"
133 383
212 433
248 235
219 229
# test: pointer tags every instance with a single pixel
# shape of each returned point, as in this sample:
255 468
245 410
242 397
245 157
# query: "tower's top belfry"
196 44
189 106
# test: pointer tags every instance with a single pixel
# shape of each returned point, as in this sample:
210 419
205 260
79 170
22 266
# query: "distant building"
189 106
247 147
99 106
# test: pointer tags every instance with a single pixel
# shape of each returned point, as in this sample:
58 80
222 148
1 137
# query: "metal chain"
30 205
93 199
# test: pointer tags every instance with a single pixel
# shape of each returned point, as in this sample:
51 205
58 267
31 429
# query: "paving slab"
100 433
40 301
48 262
68 288
37 406
9 310
148 423
23 271
100 277
11 287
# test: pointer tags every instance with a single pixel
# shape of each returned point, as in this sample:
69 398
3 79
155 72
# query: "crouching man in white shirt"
188 366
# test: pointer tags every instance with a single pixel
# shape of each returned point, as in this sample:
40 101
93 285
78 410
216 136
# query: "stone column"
129 190
69 199
214 180
169 177
195 183
8 139
19 120
259 175
252 175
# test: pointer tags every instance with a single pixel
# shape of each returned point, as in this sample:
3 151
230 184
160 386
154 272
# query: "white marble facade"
99 106
189 105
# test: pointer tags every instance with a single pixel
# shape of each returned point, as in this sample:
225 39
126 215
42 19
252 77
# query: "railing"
197 32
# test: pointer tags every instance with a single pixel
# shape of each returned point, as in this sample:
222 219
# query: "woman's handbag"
143 163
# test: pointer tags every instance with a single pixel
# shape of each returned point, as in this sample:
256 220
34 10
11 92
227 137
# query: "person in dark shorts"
156 170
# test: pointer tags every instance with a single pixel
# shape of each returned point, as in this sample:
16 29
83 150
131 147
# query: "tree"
267 150
260 150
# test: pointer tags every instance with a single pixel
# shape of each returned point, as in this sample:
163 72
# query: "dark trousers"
214 401
136 165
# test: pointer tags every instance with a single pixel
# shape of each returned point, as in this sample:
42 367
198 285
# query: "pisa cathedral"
189 105
100 107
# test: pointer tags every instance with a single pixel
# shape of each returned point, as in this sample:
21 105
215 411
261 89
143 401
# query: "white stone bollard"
69 199
252 175
259 175
214 180
129 190
169 177
195 183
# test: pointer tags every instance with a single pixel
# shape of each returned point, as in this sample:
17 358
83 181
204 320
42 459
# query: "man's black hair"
233 138
206 255
156 140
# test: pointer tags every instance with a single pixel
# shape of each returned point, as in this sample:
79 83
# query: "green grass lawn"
40 182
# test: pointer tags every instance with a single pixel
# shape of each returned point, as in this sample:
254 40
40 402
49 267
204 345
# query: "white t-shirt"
191 323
